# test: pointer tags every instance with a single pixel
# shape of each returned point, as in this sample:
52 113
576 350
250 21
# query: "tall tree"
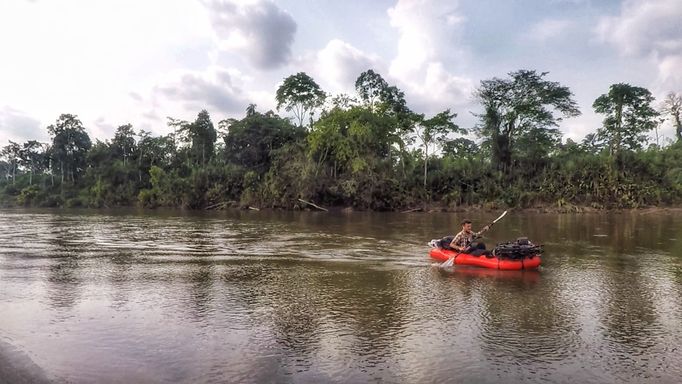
432 132
388 102
70 143
12 153
251 141
301 95
31 158
153 151
202 135
672 105
514 107
123 143
370 86
342 101
629 115
379 96
251 109
460 147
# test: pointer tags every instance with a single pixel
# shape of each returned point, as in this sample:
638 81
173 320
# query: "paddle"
451 261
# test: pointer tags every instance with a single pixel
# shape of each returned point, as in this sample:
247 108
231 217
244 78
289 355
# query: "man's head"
466 225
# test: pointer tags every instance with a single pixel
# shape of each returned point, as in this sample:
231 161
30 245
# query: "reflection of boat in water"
526 276
492 262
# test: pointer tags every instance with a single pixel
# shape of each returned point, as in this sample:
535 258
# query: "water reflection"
67 242
119 276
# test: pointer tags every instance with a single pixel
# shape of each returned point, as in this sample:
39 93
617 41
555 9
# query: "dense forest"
367 151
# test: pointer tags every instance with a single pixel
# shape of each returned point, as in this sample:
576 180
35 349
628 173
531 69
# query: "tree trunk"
139 166
619 123
678 127
426 161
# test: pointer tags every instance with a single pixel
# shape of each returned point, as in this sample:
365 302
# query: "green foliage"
28 195
300 94
250 142
202 136
522 108
370 153
672 106
147 198
70 145
629 115
434 131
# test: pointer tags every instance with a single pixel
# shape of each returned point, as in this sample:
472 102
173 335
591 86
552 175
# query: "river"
133 296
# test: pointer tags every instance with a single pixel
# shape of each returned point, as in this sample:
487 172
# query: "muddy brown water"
307 297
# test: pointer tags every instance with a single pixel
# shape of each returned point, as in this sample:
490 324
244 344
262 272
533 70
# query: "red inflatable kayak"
529 262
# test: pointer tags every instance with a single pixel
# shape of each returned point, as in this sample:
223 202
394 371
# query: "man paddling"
464 240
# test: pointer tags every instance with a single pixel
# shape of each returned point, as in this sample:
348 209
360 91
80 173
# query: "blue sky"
114 62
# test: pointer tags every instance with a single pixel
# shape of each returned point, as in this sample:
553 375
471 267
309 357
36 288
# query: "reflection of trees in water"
628 315
627 249
373 303
523 321
621 233
119 277
200 272
66 245
349 311
201 277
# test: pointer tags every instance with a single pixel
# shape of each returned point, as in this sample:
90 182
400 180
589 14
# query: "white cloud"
258 29
427 29
428 47
644 27
336 66
17 126
650 29
443 90
670 73
130 61
547 29
85 57
220 90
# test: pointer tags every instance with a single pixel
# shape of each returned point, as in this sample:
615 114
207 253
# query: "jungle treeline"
369 151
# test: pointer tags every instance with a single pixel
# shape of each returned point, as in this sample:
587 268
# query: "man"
464 240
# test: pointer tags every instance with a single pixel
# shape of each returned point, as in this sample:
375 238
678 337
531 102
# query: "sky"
130 61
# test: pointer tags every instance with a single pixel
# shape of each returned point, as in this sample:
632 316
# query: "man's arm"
454 244
479 233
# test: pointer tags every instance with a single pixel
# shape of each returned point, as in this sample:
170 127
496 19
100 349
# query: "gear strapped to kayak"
519 249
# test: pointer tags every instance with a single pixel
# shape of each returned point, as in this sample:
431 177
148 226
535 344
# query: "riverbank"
422 208
17 367
440 208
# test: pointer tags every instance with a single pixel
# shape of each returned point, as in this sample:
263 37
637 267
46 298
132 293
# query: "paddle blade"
448 263
501 216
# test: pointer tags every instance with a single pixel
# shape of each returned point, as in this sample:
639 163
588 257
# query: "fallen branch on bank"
216 206
313 205
413 210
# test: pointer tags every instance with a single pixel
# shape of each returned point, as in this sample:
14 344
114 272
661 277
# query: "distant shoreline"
424 209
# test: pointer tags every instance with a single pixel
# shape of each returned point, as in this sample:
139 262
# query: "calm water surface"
166 297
